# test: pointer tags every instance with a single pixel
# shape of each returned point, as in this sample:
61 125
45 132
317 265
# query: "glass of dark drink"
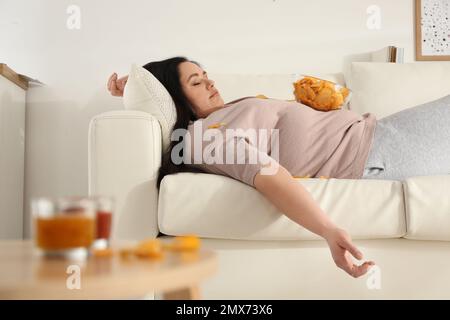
104 212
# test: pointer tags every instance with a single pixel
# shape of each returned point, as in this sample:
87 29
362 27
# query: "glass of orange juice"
64 227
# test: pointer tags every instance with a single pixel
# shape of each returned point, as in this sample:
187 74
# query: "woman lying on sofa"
337 144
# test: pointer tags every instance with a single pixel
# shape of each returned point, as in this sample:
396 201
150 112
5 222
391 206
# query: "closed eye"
206 76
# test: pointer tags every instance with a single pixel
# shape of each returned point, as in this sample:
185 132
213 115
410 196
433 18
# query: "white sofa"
404 226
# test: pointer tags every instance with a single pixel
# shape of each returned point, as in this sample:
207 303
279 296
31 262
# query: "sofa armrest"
124 155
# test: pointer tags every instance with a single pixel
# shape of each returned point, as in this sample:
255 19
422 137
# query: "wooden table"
24 274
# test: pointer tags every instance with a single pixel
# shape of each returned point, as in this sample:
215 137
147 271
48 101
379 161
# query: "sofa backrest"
278 86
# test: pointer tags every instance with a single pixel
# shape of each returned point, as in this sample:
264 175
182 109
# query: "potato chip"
186 243
216 125
149 249
345 92
126 253
102 253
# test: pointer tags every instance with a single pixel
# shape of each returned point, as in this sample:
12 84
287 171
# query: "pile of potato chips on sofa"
320 94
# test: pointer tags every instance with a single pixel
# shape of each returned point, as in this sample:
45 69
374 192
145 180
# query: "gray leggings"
412 142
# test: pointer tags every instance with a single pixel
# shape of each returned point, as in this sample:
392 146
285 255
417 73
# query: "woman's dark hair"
166 71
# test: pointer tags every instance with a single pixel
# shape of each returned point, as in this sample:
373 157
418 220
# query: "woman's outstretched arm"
296 203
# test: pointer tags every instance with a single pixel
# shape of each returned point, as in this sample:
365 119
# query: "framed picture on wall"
432 30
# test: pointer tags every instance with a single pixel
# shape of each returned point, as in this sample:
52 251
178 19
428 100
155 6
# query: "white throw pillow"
386 88
145 93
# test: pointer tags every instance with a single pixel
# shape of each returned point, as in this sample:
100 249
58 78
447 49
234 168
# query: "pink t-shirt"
335 144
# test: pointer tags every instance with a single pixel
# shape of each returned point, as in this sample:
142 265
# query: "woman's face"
199 90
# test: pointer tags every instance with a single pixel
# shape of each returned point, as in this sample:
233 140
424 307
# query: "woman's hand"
341 247
116 86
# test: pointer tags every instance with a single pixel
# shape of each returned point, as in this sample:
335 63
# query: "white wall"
232 36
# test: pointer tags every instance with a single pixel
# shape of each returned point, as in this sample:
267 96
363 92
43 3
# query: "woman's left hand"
341 247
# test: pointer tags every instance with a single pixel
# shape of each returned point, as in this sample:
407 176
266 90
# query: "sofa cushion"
427 200
386 88
228 209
